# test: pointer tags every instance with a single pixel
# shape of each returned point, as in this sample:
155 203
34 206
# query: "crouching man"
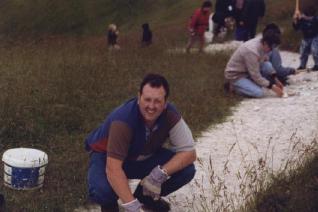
129 145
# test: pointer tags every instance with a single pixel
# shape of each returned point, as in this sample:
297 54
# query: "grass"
78 17
55 91
294 188
256 186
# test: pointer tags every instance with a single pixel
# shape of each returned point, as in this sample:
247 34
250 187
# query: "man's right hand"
279 83
133 206
278 90
297 14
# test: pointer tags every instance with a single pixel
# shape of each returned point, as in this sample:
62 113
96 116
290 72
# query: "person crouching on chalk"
129 144
249 71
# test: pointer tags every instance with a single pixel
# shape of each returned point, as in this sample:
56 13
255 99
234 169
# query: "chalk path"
261 134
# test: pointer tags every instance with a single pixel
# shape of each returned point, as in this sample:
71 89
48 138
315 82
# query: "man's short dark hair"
273 27
271 38
155 81
206 4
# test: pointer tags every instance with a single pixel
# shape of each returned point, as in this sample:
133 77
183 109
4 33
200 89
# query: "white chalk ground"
261 134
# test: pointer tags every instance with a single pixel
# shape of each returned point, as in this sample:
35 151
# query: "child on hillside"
199 23
146 35
112 37
307 23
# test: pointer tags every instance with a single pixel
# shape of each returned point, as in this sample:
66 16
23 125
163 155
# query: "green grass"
293 189
57 87
55 91
45 17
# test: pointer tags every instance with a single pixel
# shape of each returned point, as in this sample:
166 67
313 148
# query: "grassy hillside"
36 17
57 88
55 91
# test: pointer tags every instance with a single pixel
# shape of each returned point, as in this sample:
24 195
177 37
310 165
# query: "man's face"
151 103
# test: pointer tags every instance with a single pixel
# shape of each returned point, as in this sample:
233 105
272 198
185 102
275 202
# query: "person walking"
199 23
224 10
247 14
307 23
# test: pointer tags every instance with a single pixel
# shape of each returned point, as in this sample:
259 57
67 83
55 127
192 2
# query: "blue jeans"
281 71
101 192
307 46
247 87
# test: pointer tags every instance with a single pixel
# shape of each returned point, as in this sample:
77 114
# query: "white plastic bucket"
24 168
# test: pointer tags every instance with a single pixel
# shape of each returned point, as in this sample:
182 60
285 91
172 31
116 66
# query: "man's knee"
102 195
188 173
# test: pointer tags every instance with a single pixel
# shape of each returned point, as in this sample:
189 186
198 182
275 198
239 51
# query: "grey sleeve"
181 137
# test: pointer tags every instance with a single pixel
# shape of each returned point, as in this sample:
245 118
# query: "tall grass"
55 91
293 188
44 17
257 186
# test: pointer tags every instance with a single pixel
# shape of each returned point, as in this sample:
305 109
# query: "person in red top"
198 25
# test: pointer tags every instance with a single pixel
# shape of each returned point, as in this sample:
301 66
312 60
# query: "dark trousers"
244 33
252 30
101 192
241 33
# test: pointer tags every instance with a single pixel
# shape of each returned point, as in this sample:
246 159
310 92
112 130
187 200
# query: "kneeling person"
249 71
129 145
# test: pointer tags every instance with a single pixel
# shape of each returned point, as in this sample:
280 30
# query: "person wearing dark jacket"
247 13
275 58
256 10
146 35
223 9
307 23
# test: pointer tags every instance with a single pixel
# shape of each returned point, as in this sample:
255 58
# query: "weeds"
259 186
55 91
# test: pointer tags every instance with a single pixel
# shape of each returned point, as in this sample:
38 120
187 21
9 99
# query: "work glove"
133 206
152 183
